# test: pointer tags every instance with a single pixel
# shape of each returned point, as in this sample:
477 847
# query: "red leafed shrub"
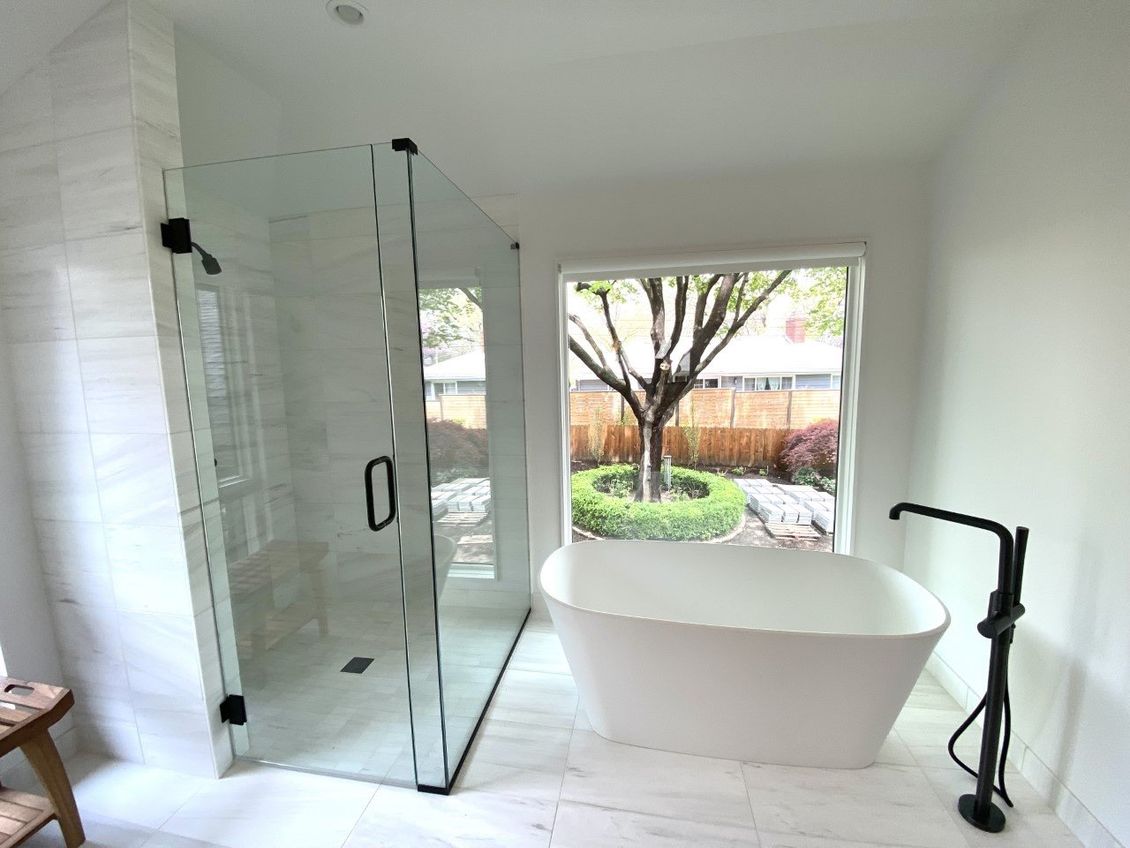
814 446
456 451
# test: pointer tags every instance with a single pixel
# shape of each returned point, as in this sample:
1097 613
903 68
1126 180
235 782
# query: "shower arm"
998 627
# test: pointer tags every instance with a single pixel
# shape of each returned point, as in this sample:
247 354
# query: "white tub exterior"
772 656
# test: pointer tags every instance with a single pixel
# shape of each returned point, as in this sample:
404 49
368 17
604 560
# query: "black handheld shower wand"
998 626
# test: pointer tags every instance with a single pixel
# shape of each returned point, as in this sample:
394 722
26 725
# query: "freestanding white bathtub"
773 656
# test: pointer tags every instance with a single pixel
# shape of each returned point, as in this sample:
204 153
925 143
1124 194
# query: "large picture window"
707 404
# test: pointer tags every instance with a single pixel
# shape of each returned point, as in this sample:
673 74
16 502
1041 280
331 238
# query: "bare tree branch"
663 357
741 320
681 286
606 375
764 295
653 288
592 341
599 366
701 300
617 346
713 321
471 296
720 311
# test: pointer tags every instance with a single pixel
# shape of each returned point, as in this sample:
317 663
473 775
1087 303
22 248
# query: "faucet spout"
1005 562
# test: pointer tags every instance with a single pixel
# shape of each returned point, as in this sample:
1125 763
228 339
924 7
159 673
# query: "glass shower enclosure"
351 331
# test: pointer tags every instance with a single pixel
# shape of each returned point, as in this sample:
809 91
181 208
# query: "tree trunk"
649 484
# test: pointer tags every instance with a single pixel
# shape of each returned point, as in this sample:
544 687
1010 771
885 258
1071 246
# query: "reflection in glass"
470 319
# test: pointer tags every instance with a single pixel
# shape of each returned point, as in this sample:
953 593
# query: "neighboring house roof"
744 355
465 366
774 355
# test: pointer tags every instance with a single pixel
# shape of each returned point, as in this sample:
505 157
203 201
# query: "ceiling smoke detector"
350 14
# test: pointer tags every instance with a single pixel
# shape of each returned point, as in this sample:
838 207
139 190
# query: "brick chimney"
794 328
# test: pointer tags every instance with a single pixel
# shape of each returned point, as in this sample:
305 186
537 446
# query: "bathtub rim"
932 632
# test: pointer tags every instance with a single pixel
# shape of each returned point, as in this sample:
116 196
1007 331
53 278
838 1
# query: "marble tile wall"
87 305
335 381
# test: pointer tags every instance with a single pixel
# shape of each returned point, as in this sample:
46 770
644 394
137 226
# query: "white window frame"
233 343
851 255
782 377
831 378
459 390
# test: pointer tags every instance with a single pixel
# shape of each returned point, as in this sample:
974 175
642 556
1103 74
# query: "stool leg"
44 758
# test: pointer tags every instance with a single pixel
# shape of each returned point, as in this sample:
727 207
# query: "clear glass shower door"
283 326
365 527
450 280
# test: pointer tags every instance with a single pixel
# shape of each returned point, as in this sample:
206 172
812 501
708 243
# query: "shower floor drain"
357 665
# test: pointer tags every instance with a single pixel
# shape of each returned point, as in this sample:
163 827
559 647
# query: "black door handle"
375 525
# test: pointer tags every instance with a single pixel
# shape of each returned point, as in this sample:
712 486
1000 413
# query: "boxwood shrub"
715 514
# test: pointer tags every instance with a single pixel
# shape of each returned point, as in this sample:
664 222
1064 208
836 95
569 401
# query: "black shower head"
210 263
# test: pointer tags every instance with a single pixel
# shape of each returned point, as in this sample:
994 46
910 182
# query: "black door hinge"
176 236
402 144
233 710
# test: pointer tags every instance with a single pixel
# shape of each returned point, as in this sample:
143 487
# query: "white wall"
1025 407
27 640
884 206
224 113
28 649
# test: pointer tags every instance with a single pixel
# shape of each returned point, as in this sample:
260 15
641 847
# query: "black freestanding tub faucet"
999 625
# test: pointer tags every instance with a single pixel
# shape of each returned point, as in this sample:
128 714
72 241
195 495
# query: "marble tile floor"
305 712
538 776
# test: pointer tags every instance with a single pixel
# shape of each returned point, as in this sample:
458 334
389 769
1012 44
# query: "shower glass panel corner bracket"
368 582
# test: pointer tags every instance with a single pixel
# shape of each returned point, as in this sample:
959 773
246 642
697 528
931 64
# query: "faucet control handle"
998 623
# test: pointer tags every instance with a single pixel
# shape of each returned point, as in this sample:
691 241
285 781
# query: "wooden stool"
27 710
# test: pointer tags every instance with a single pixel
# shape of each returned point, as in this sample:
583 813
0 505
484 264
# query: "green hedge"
618 518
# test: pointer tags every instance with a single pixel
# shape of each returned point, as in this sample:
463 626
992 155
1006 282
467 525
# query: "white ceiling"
29 29
518 95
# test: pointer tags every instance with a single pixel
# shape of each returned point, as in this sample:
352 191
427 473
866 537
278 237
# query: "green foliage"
615 485
822 301
456 451
815 446
602 505
450 316
631 291
806 476
811 477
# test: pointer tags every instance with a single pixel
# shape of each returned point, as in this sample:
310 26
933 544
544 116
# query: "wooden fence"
724 446
468 410
788 410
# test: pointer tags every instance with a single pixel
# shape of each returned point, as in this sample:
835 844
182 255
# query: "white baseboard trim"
1063 802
